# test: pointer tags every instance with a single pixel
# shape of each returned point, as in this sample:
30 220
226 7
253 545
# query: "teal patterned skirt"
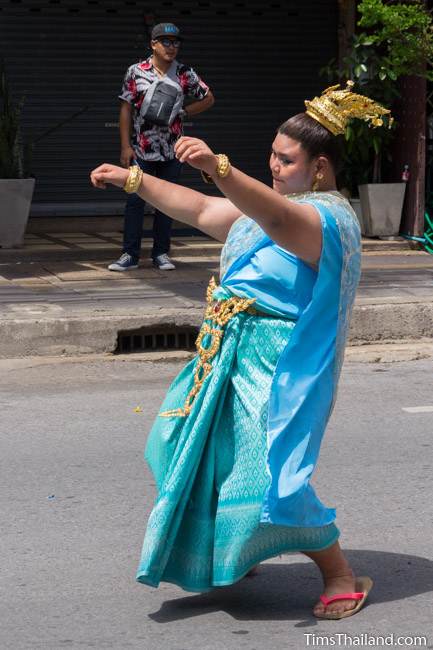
210 468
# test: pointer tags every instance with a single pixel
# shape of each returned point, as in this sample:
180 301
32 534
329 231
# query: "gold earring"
319 177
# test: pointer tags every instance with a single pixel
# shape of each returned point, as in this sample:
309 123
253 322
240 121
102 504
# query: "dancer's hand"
196 153
108 174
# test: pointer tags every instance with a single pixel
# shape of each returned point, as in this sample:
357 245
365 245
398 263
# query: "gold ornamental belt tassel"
217 315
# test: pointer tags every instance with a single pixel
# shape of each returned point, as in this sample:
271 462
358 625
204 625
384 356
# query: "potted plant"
396 40
16 188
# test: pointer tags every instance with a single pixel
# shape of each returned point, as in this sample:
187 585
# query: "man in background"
152 144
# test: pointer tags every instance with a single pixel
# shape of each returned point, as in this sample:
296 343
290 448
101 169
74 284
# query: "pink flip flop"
362 586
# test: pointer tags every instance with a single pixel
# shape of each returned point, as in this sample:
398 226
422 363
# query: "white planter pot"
356 205
382 205
15 200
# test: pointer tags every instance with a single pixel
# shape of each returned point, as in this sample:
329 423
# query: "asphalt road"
75 494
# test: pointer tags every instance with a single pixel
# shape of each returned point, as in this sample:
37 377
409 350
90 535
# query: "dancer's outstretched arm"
213 215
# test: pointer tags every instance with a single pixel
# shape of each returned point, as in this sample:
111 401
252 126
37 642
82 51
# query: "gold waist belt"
217 315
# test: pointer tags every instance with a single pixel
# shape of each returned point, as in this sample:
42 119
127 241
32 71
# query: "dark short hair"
314 138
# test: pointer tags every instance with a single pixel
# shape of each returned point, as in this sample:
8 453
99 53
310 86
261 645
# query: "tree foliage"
394 39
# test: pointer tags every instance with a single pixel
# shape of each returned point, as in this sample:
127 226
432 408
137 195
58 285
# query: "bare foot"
337 577
334 585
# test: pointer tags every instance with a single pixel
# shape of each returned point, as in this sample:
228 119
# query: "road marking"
418 409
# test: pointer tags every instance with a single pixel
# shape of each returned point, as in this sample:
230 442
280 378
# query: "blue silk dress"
233 466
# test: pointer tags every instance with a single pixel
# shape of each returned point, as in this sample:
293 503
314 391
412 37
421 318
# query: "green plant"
396 40
11 146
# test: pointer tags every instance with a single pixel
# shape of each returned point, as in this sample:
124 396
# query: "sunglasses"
169 42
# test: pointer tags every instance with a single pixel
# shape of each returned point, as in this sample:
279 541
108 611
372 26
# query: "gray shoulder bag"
163 99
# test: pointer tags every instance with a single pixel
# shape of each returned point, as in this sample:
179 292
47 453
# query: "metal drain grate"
146 339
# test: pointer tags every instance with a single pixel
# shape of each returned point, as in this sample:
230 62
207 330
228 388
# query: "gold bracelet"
222 169
133 181
223 166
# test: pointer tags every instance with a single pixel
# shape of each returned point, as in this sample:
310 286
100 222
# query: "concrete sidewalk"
57 296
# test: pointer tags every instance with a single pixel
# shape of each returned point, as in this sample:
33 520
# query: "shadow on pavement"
288 592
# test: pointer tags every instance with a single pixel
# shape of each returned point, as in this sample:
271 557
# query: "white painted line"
418 409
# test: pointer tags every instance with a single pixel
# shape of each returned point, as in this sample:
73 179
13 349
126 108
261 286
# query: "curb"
23 337
82 334
387 322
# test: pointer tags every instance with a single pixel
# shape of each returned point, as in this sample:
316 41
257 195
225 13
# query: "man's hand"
196 153
127 155
111 174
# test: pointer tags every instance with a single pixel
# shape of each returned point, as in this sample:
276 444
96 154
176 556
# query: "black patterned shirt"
150 141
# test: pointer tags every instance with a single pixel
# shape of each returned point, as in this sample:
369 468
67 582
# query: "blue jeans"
168 170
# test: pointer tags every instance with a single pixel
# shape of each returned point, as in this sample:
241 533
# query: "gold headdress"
335 107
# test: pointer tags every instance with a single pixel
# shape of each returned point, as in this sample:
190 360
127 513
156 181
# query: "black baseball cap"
165 29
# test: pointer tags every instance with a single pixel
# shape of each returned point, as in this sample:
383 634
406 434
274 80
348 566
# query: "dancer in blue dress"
237 438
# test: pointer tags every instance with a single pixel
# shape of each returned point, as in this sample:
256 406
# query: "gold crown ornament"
336 107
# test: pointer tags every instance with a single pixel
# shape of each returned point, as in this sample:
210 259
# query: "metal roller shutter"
68 57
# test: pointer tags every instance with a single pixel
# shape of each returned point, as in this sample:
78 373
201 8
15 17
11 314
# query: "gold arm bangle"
223 166
222 169
133 181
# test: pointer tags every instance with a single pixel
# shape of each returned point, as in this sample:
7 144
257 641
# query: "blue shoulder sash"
305 379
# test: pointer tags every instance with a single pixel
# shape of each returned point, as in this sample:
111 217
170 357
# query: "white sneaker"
163 262
124 263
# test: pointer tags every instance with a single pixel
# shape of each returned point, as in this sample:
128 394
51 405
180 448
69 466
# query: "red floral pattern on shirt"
176 127
143 142
184 82
132 87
